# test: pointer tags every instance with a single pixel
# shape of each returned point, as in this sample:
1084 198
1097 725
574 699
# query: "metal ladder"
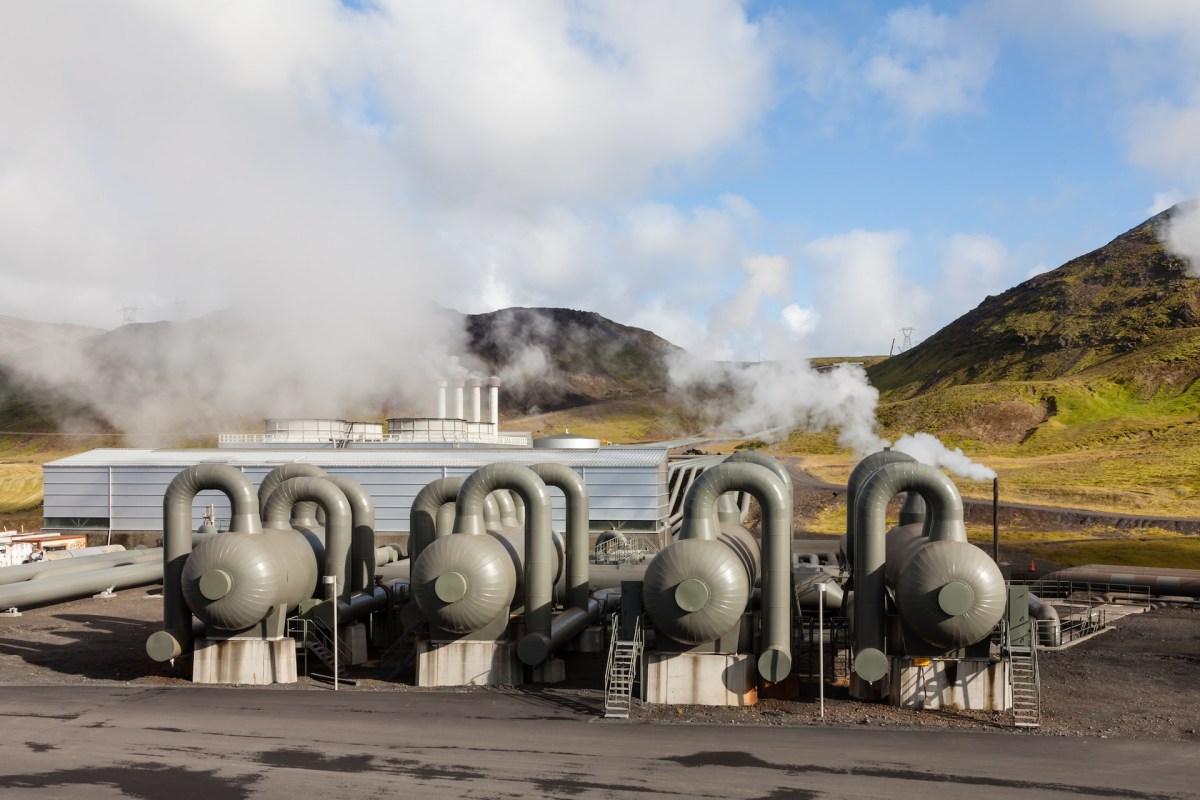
624 662
1024 682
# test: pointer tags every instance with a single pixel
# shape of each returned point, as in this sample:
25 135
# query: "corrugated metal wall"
635 496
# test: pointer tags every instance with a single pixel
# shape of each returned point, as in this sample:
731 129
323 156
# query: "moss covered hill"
1080 386
1128 310
557 358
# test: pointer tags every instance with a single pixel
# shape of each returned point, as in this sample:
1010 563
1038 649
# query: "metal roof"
448 457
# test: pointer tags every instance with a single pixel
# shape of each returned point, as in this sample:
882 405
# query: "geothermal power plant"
465 556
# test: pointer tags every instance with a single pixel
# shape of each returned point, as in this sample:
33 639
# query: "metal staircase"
624 667
1024 681
313 637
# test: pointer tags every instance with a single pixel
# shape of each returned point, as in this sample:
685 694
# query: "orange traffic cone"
1032 566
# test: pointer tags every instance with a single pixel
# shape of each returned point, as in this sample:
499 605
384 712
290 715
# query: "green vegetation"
20 487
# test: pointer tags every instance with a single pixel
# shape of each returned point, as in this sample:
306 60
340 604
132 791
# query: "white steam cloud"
1182 235
926 448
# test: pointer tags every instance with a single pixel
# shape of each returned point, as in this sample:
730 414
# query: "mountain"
556 357
1128 311
23 334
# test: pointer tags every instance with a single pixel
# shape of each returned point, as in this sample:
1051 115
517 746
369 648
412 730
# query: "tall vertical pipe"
945 523
996 520
362 538
494 402
459 412
176 637
422 516
539 575
338 518
699 514
475 399
507 507
575 491
441 399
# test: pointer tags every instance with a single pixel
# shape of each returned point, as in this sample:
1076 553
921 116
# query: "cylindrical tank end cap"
956 598
215 584
450 587
533 649
870 664
163 646
774 665
691 595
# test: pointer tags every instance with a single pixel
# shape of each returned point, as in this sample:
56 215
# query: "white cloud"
974 265
1164 200
858 283
927 65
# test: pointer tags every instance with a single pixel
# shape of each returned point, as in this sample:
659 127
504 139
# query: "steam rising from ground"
770 399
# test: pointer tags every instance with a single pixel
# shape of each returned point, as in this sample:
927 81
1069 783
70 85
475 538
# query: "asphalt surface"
198 742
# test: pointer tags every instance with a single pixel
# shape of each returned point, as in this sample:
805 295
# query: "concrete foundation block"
591 640
468 663
256 662
703 679
552 670
951 685
355 638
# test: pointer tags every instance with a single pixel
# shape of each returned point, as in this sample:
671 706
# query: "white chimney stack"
476 393
441 400
494 402
459 412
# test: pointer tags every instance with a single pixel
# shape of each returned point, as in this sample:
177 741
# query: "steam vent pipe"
422 517
176 637
362 539
539 571
575 491
868 536
775 660
858 476
338 521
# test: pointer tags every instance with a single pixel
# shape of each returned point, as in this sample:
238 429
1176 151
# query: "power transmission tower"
907 343
129 314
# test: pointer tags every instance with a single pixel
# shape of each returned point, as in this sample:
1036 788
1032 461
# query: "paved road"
222 744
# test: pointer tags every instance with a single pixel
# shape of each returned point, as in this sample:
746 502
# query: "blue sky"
755 180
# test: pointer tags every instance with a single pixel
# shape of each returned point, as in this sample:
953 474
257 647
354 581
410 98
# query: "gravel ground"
1138 680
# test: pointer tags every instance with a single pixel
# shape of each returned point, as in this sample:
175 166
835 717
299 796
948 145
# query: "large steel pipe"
868 536
699 522
338 518
66 587
23 572
539 546
304 515
862 470
423 515
567 480
362 537
176 637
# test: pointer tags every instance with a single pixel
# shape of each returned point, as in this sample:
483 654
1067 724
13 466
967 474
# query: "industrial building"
121 490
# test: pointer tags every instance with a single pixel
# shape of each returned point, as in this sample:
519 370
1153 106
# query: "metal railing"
633 550
1089 592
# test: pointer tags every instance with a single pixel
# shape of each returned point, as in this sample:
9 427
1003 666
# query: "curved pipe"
1050 629
362 538
338 518
858 476
304 515
506 507
176 637
566 626
539 577
699 513
575 491
491 513
422 517
869 534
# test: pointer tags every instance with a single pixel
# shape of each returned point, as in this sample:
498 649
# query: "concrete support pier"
951 685
254 662
703 679
467 663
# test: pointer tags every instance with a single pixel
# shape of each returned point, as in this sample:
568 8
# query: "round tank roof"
566 441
